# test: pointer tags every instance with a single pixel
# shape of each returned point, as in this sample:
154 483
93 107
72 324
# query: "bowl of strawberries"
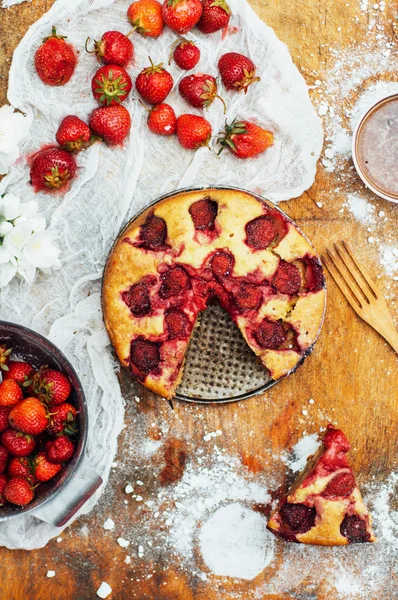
43 430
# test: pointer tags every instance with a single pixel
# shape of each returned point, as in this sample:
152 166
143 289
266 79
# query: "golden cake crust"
129 264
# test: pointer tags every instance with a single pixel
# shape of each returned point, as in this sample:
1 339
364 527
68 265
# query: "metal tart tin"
375 148
220 368
56 501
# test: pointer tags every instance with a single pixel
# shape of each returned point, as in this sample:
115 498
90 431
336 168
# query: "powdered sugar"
304 448
362 210
234 542
389 260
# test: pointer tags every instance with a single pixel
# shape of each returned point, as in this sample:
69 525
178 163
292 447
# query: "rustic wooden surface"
347 374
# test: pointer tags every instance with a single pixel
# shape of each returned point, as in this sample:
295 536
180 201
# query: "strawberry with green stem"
52 169
200 90
245 139
111 85
4 357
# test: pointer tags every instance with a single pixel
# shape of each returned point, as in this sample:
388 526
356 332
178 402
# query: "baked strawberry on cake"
199 246
324 506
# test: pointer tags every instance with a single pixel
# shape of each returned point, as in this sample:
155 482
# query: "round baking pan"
220 367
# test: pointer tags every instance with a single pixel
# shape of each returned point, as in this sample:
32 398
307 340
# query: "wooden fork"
360 291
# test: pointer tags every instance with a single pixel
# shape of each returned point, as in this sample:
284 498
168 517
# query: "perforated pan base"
219 366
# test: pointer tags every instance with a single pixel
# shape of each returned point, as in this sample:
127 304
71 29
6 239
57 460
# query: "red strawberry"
146 17
114 48
17 443
237 71
4 357
153 234
18 491
111 123
144 354
177 323
204 213
10 393
3 483
63 420
4 412
3 458
137 299
55 60
341 485
60 450
19 371
51 386
174 282
29 416
193 131
245 139
270 335
186 55
216 15
249 297
43 469
52 169
287 279
260 232
111 85
21 467
154 83
182 15
222 264
73 134
200 90
162 120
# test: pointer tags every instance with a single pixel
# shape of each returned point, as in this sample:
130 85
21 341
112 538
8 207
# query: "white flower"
10 207
13 129
5 227
29 209
15 240
5 256
40 251
7 272
26 270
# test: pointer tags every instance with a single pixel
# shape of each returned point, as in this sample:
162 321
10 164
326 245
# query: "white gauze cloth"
114 183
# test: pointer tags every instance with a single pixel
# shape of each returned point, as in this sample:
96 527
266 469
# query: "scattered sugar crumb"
122 542
104 590
109 524
59 539
50 574
362 210
129 489
212 435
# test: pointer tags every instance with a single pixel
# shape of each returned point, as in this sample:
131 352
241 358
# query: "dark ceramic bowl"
58 500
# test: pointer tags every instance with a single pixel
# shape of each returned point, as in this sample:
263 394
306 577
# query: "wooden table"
347 376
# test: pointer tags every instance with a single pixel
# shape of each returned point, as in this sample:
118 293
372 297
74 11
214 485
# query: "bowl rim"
355 142
69 469
262 388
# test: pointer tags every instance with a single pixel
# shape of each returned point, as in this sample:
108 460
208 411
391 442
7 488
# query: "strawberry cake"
198 246
324 506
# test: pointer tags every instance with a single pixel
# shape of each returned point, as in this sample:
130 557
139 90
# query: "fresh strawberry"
111 123
3 459
55 60
186 55
59 450
73 134
29 416
17 443
146 17
10 393
193 131
114 48
21 467
52 169
182 15
43 469
3 483
18 491
154 83
19 371
237 71
4 412
162 120
51 386
4 357
63 420
216 15
111 85
200 90
245 139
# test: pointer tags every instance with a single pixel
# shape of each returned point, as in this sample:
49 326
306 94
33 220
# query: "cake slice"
324 507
